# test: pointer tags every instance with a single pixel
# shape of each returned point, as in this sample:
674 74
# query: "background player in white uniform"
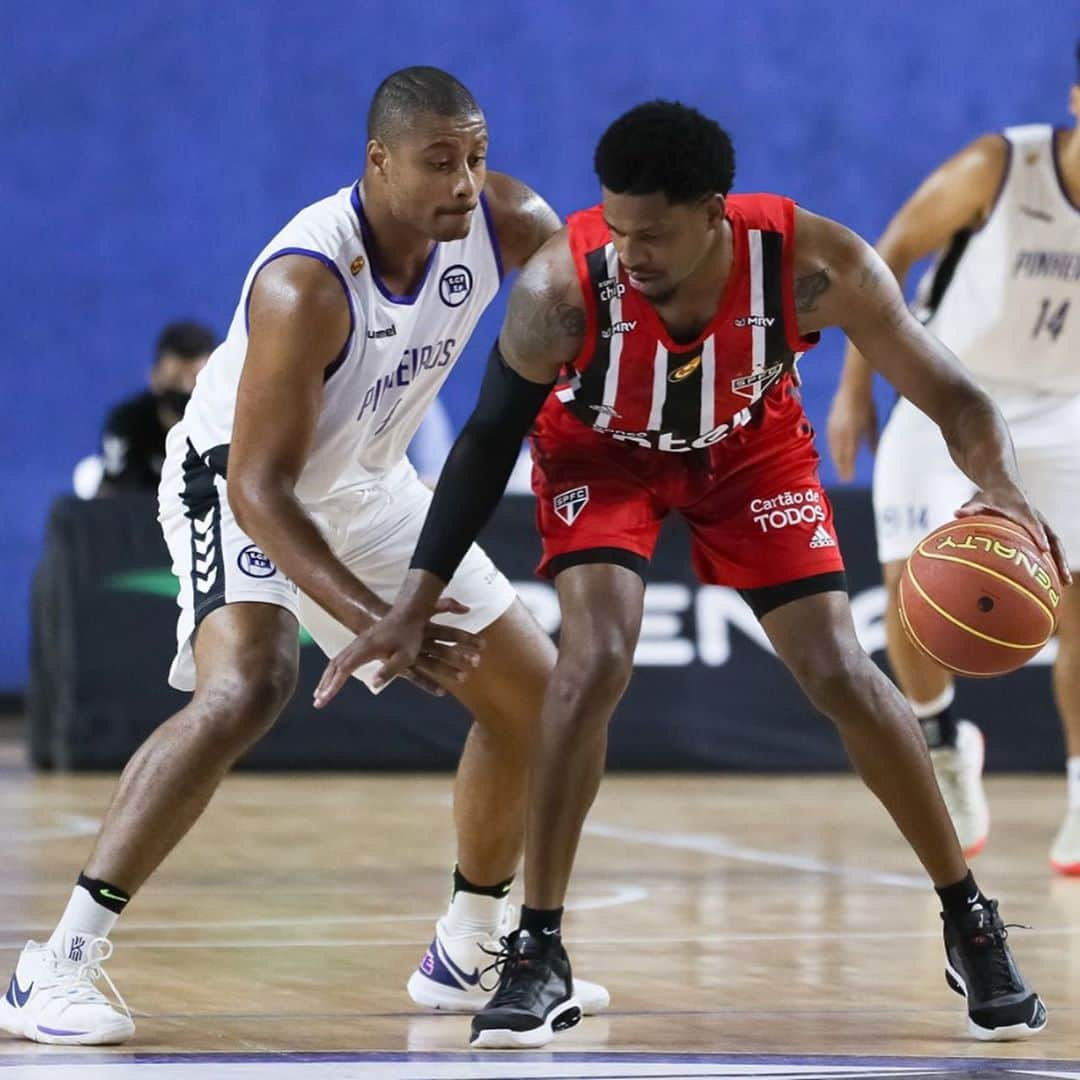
1004 295
287 496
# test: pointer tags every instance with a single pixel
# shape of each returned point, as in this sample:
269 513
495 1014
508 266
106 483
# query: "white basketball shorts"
372 528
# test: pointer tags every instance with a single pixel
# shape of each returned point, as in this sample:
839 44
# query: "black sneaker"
534 998
979 965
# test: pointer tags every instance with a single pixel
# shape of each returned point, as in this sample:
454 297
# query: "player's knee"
598 675
836 681
244 708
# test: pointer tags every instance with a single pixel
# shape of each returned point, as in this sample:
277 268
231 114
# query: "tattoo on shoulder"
869 277
809 288
545 321
569 319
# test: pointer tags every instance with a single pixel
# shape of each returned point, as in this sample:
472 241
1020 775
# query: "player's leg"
917 487
1048 451
1065 852
246 656
241 666
601 606
375 537
815 637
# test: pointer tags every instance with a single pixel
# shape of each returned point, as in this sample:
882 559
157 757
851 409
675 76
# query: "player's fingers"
1061 560
424 682
972 507
333 679
439 671
458 657
395 664
447 605
454 635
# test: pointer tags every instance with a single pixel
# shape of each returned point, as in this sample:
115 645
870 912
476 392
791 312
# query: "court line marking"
714 844
579 942
620 896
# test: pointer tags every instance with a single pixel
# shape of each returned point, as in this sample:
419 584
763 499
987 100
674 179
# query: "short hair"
188 340
668 148
413 92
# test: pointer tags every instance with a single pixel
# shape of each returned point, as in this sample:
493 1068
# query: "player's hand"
852 421
1012 503
426 653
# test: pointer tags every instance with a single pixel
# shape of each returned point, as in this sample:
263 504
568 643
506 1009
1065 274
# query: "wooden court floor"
727 915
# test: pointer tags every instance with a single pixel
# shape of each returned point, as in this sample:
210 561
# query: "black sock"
542 923
108 896
940 729
463 884
957 900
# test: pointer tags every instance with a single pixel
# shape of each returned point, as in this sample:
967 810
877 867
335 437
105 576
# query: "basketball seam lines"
963 626
993 573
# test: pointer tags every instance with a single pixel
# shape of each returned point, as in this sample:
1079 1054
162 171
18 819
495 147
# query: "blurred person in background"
133 439
1003 216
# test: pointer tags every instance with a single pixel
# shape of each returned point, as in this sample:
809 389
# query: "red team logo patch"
569 504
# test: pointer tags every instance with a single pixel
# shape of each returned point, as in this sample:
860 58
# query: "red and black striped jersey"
633 382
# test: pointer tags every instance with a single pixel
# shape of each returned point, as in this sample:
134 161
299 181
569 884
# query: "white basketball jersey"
1006 297
399 351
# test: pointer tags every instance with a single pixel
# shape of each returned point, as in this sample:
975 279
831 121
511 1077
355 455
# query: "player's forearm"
278 523
979 442
478 469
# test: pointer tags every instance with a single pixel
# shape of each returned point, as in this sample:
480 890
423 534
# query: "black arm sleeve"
478 467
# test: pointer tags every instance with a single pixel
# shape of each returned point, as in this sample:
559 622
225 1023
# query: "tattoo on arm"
543 324
808 288
570 319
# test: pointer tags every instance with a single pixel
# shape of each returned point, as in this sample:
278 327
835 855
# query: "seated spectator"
133 441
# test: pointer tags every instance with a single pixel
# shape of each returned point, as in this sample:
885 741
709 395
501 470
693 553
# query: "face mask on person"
175 401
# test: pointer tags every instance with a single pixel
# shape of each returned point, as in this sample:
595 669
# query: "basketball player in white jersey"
287 497
1004 295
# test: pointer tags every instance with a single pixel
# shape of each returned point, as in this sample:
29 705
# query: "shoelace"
82 990
994 958
501 957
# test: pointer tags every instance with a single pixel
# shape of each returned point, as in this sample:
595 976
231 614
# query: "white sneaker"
54 1000
451 975
1065 852
959 775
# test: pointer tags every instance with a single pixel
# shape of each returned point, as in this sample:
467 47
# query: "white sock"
83 919
924 710
471 913
1072 770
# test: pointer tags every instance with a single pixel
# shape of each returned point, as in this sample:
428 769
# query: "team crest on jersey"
569 504
455 285
748 386
254 563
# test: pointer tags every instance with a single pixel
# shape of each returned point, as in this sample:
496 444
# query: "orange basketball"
979 597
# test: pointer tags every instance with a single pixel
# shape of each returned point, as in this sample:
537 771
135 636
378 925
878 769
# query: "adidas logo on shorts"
821 538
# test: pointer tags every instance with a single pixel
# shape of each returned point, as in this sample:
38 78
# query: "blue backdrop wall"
149 150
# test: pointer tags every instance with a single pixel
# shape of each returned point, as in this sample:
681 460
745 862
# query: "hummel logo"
16 994
821 538
390 331
1039 215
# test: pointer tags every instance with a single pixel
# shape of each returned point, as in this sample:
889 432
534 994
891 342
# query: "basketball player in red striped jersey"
651 346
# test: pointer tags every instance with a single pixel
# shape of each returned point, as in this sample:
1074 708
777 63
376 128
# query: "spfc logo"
569 504
749 386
